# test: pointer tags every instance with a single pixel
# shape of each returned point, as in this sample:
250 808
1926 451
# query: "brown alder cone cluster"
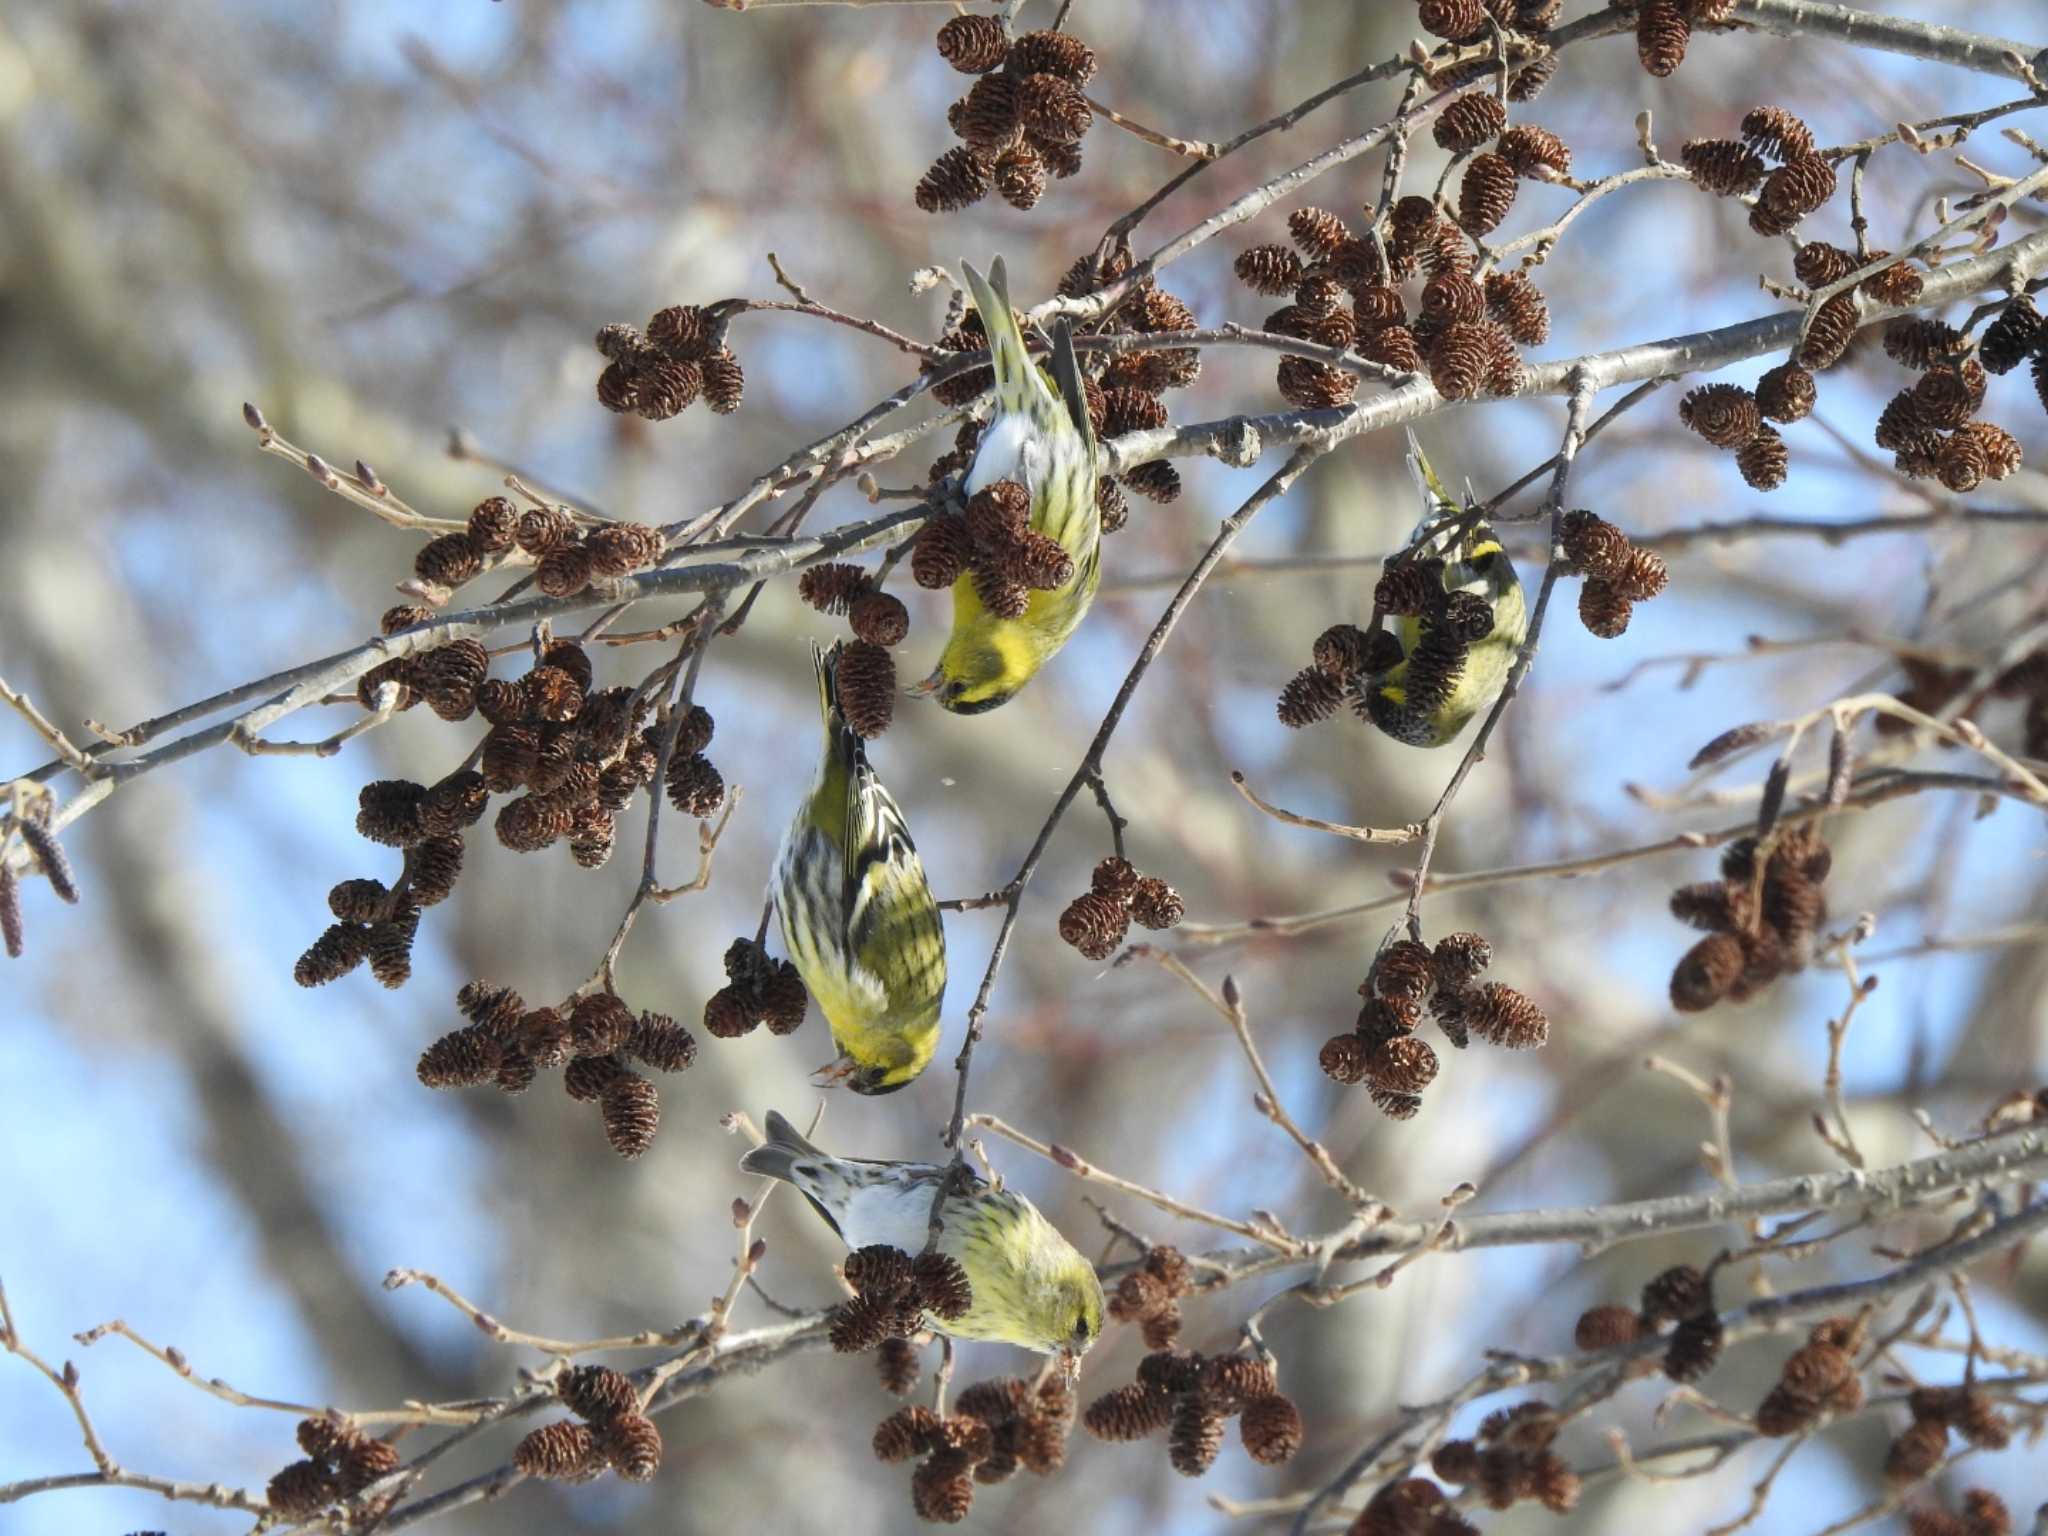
1760 917
680 358
1984 1514
568 553
1021 123
340 1463
1348 291
1510 1460
580 754
1682 1295
1192 1396
759 989
1150 1296
892 1294
1382 1051
1617 574
865 675
1345 660
1097 920
997 1429
994 544
1818 1379
590 1038
1923 1445
610 1431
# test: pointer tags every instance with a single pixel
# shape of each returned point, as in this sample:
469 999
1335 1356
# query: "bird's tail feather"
776 1156
1016 377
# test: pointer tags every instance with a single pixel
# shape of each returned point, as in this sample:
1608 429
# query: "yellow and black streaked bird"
1041 437
858 916
1414 701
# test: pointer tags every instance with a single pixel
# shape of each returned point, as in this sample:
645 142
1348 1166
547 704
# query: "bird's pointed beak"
928 687
1068 1364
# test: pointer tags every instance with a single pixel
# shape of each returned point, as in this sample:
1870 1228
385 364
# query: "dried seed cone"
867 687
1786 393
563 571
332 956
1458 959
631 1106
1271 1429
563 1449
1469 121
1504 1017
943 1284
1916 1453
695 786
596 1392
909 1431
942 552
1054 110
1603 610
1985 1514
303 1489
1695 1347
1095 924
1726 415
1535 152
1763 460
940 1494
1527 84
1195 1438
1052 53
1596 546
1402 1065
1896 285
1312 385
1828 337
973 44
958 178
2008 340
1487 192
1514 300
834 587
1722 166
1797 188
1128 1413
1707 972
1452 19
1317 231
1344 1058
1605 1326
1392 346
1662 33
880 618
632 1444
1156 905
1643 577
1396 1106
1269 269
1020 177
861 1323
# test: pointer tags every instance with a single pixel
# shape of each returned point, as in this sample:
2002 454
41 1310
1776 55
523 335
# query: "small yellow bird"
1032 1287
1044 440
858 916
1474 562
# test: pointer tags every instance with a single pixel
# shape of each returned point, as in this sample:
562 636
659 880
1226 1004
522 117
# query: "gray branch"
1895 34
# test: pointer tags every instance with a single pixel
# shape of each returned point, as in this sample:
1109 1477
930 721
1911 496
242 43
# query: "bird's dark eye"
1081 1331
